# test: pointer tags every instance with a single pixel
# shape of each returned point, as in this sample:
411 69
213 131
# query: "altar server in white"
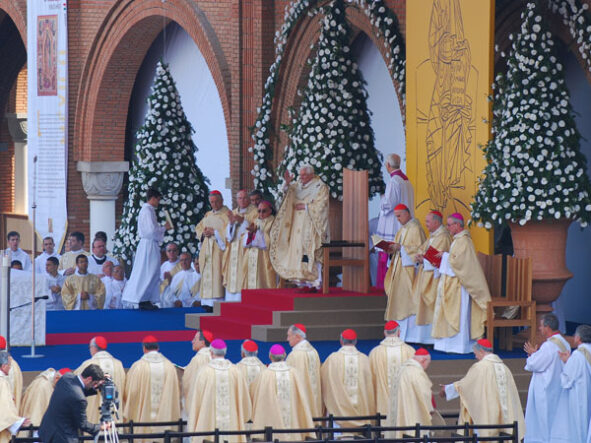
183 290
16 253
114 285
55 282
99 257
571 422
48 251
142 289
544 389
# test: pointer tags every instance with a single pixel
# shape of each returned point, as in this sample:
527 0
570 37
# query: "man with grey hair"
10 422
299 229
305 359
219 397
250 365
573 414
398 191
544 389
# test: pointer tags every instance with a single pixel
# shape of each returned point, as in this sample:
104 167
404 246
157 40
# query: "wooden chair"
518 292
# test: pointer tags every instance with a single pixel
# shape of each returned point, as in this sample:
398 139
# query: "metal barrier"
363 434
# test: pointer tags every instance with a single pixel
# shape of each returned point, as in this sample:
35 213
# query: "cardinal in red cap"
211 232
305 359
385 359
37 395
151 378
109 364
15 375
270 390
201 342
250 365
337 379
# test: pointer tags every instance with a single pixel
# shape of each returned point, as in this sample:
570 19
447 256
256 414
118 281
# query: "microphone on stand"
41 297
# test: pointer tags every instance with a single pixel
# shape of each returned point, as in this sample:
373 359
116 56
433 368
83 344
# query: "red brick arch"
17 11
294 70
116 54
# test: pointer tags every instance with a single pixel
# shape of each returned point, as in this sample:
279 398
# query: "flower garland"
385 24
535 168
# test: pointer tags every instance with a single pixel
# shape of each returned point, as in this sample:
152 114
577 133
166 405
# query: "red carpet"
257 308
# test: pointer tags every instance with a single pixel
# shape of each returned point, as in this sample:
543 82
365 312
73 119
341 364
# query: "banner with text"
47 60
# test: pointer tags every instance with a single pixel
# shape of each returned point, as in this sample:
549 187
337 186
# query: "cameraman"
66 413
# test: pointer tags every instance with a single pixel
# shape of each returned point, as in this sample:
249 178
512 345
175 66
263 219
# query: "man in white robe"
68 260
183 290
544 389
114 286
142 290
99 257
170 267
16 253
398 191
573 413
48 251
55 282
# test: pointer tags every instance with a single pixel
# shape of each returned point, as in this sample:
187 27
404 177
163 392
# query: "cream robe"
279 400
211 255
489 379
305 359
384 361
411 399
151 392
8 410
200 359
219 399
90 283
258 271
233 261
109 365
168 267
15 378
184 287
68 260
37 396
347 385
425 288
469 275
399 279
297 236
250 367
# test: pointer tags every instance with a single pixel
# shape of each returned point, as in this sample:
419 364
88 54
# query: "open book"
379 242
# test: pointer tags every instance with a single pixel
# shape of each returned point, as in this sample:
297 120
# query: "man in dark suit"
66 413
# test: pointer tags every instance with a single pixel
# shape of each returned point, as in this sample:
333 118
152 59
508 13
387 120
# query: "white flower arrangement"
384 23
535 169
165 160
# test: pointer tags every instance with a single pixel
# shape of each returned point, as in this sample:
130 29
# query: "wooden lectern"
354 244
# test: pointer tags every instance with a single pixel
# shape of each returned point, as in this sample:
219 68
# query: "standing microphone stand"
33 281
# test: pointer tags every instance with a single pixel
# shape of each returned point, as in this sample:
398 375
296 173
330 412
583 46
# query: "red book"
380 243
431 256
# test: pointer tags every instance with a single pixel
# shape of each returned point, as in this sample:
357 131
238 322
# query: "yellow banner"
449 62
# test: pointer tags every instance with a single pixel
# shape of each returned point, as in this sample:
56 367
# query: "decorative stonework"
17 126
102 180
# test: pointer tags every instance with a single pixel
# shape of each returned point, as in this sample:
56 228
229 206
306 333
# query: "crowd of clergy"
293 389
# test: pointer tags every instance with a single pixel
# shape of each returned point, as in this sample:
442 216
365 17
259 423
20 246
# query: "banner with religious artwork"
47 61
449 47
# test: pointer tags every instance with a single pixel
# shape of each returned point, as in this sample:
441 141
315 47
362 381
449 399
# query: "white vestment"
113 292
55 298
144 282
95 265
167 266
544 389
42 259
461 342
184 286
233 233
21 256
572 416
397 191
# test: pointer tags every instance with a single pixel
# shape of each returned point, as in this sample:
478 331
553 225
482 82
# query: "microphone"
42 297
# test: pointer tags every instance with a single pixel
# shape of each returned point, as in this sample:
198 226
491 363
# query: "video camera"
110 404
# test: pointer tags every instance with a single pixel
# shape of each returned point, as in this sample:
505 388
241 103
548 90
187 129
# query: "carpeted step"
323 318
255 314
227 329
318 332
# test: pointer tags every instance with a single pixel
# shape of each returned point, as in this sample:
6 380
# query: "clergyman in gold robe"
10 422
83 290
219 397
151 389
279 400
399 279
15 376
300 228
233 265
250 365
488 394
210 232
200 344
347 385
305 359
411 398
384 360
258 272
110 365
462 293
37 395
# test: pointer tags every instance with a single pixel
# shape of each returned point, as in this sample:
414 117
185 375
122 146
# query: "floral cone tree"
535 168
332 130
165 160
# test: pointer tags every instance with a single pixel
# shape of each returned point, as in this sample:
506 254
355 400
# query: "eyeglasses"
172 250
263 211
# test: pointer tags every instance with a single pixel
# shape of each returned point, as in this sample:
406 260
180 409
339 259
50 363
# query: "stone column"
17 126
102 182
